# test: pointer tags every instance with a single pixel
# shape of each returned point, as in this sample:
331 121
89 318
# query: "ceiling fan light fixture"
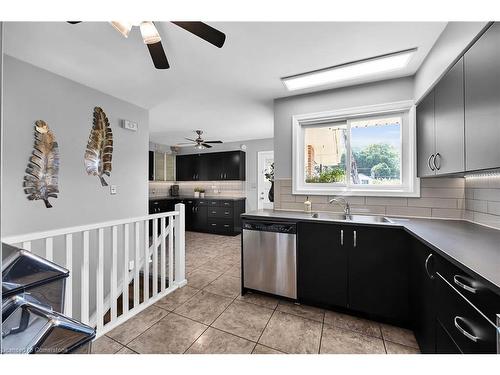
123 27
149 33
199 146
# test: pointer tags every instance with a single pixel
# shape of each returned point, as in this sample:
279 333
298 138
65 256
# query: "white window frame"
410 185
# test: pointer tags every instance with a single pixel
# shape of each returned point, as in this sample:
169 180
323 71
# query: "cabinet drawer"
220 203
220 212
469 329
474 290
220 226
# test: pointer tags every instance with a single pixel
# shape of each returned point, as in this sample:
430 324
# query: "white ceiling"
227 92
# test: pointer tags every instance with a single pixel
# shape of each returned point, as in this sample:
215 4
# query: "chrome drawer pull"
429 162
461 282
355 239
341 237
463 331
426 266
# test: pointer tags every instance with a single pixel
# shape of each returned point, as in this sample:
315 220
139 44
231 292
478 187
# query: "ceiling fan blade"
183 144
73 22
158 55
204 31
205 145
189 139
213 142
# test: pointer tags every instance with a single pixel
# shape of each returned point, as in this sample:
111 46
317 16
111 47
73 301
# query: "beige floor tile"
214 341
176 298
399 335
217 265
336 340
136 325
393 348
354 323
227 286
292 334
105 345
234 271
204 307
261 349
200 278
173 334
244 319
126 350
259 299
303 311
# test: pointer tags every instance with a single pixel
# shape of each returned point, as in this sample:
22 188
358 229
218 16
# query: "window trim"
410 186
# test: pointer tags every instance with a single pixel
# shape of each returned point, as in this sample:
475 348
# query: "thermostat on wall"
130 125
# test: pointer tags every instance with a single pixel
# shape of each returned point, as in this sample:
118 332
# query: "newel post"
180 244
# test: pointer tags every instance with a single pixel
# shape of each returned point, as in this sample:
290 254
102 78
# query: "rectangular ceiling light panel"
349 71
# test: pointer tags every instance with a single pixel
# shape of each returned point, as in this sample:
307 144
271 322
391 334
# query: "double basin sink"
353 218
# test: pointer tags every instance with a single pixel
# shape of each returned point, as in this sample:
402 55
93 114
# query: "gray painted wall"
354 96
452 42
30 94
253 147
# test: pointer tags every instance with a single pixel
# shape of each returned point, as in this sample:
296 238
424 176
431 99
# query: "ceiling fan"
152 38
198 143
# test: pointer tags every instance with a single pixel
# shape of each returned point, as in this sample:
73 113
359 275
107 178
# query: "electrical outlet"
130 125
112 189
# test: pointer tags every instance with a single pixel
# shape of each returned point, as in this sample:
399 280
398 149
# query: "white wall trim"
411 184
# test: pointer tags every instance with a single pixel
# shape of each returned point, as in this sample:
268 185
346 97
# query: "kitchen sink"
354 218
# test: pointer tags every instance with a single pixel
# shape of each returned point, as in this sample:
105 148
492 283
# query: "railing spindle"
180 244
136 265
49 249
126 233
170 251
114 272
146 260
68 298
155 257
100 281
85 279
163 257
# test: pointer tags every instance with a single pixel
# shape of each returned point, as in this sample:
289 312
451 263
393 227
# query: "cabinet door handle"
426 266
462 282
437 158
429 162
214 225
226 225
457 321
341 237
354 238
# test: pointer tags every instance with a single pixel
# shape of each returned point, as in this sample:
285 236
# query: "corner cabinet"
482 101
213 166
440 126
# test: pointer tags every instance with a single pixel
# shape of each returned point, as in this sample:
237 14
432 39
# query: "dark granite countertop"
474 247
221 198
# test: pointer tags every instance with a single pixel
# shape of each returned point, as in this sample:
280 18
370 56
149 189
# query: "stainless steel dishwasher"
270 257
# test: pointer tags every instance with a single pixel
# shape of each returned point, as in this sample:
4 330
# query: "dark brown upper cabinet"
214 166
482 102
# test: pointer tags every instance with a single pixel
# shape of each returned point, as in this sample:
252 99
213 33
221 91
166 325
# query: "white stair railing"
108 249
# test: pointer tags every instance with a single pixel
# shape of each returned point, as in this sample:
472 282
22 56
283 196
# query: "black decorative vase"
271 192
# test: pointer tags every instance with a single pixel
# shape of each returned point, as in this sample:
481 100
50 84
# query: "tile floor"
210 316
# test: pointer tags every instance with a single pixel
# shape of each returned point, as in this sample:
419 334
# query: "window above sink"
367 151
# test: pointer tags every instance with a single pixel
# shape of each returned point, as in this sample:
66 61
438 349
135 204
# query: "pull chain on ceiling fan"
152 39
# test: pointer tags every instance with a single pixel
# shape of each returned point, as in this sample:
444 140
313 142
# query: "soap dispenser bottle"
307 205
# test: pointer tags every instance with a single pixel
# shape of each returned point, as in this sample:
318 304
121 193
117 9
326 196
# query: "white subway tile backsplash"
287 198
476 205
487 219
409 211
447 213
494 208
387 201
312 198
443 182
487 194
433 202
442 193
368 210
483 200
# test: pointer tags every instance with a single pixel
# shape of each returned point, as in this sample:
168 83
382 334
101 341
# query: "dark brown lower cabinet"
444 343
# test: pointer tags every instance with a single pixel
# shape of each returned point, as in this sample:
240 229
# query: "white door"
264 161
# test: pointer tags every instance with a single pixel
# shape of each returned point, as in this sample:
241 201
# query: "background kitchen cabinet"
215 166
422 301
200 216
449 121
322 264
151 166
425 136
378 272
482 101
192 168
440 126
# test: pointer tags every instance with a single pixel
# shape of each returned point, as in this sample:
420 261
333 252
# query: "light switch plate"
130 125
112 189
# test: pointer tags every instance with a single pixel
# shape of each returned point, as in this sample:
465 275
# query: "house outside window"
360 151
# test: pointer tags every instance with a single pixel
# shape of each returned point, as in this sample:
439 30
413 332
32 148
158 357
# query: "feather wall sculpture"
41 182
99 147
